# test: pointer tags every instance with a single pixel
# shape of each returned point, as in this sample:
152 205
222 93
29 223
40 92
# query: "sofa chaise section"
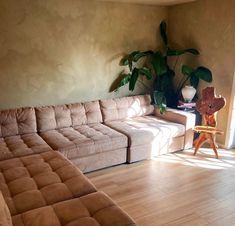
38 180
148 135
46 189
95 209
18 133
76 130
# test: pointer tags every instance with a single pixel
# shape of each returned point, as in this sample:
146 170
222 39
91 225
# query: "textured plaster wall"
209 25
60 51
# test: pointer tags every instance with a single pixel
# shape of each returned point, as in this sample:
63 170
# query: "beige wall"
57 51
209 25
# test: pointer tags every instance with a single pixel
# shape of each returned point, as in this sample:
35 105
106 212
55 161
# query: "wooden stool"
207 134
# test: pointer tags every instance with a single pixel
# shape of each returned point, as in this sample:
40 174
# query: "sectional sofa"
96 134
40 148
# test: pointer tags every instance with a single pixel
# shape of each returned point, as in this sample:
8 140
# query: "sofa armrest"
186 118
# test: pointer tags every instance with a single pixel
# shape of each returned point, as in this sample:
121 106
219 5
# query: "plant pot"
188 93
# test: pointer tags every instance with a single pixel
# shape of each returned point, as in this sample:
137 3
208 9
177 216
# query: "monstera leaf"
195 75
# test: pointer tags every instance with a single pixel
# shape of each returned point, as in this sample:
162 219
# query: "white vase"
188 93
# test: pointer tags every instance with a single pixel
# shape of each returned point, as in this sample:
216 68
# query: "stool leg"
201 139
213 145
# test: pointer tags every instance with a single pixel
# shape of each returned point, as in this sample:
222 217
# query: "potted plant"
157 67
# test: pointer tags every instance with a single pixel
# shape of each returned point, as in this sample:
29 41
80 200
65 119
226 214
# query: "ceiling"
151 2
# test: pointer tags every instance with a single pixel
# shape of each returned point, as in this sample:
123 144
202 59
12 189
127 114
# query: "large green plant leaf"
131 59
128 59
125 80
186 70
175 52
124 61
134 57
159 63
194 80
163 32
133 79
146 72
204 74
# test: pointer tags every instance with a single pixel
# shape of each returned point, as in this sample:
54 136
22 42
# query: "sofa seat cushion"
39 180
84 140
147 129
20 145
95 209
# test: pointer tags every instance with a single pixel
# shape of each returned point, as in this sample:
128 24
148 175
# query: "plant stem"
176 62
180 83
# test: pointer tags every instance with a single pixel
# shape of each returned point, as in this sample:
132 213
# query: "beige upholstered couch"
39 186
96 134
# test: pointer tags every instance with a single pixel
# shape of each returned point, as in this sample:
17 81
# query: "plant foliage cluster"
157 68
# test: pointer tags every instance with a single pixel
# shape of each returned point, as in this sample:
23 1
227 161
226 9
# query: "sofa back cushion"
126 107
62 116
5 216
17 122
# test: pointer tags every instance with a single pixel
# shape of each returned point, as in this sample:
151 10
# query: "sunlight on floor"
204 159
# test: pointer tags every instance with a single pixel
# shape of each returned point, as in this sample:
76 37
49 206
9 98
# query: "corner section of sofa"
18 133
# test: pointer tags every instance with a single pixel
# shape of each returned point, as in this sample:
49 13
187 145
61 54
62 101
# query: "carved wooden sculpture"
208 106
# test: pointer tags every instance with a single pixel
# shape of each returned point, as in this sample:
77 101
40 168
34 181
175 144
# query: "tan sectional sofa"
40 187
96 134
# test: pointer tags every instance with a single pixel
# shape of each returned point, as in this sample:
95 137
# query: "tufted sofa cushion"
95 209
17 122
84 140
126 107
62 116
21 145
39 180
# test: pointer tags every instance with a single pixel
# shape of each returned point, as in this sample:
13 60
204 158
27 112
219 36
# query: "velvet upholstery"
39 180
95 209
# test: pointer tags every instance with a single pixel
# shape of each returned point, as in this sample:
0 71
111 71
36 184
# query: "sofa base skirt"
101 160
147 151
